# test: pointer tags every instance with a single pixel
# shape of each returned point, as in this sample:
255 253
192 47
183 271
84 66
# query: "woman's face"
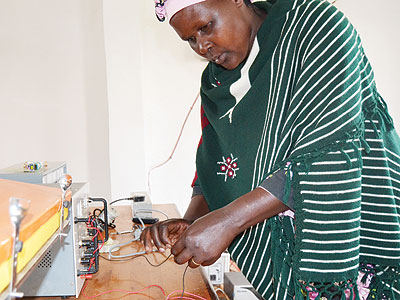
218 30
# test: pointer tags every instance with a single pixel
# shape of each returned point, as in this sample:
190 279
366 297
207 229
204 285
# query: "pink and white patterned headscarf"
168 8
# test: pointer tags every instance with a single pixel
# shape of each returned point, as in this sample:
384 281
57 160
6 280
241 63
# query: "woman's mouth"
219 59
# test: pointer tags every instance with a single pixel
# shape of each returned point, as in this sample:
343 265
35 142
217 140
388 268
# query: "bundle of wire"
90 225
177 294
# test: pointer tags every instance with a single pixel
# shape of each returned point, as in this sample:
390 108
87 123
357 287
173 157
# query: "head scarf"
168 8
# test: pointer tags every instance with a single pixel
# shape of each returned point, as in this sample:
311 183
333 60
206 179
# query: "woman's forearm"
208 236
197 208
252 208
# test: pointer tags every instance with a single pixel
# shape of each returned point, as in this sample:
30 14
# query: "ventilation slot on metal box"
46 261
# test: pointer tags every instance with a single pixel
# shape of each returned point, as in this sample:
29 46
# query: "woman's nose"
203 47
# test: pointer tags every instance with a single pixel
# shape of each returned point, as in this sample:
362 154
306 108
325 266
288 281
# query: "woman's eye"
191 40
206 28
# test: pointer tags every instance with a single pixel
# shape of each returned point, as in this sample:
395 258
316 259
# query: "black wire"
122 199
112 225
97 209
183 281
133 257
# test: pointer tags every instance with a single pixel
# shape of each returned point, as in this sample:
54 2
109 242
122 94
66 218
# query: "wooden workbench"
137 273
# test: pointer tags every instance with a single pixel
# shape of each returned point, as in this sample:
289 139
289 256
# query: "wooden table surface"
137 274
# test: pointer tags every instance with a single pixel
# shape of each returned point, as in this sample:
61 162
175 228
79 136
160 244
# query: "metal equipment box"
49 174
56 273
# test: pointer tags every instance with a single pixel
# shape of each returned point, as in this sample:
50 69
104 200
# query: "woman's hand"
163 234
208 236
204 241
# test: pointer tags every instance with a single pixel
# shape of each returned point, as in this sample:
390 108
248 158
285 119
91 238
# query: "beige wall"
53 87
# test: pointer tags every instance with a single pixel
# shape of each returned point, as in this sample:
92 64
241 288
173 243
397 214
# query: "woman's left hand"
205 239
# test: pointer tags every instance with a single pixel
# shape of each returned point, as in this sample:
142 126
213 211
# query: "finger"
178 247
208 262
145 237
164 232
183 257
156 238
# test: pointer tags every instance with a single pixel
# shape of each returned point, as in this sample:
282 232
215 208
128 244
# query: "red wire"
101 237
98 247
179 297
123 291
91 263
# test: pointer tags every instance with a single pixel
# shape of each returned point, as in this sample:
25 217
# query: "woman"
292 122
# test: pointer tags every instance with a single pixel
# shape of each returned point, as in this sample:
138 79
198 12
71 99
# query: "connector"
86 243
91 232
87 254
85 261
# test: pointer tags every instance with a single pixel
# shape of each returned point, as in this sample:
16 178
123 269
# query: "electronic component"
141 206
48 172
91 247
237 287
145 220
57 274
215 272
30 166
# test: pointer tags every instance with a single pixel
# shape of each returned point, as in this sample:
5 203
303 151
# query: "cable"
130 258
97 209
223 292
179 297
121 232
150 210
135 239
123 291
176 145
125 255
122 199
157 265
183 290
183 280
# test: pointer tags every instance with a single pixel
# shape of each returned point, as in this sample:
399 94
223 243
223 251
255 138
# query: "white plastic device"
141 205
215 272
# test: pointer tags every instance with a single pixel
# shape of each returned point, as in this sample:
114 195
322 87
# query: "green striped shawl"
305 100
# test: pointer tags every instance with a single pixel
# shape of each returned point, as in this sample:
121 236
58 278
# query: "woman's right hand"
163 234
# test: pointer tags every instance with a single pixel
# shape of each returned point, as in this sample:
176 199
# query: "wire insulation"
175 146
121 291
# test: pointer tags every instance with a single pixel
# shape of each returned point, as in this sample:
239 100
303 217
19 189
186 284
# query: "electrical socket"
215 272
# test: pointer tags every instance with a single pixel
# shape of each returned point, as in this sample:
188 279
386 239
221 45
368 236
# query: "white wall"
171 82
153 78
122 33
53 87
122 83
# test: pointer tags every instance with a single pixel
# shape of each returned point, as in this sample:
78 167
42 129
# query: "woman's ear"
238 3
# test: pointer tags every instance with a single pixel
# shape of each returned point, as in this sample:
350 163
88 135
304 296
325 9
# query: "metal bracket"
65 182
17 210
